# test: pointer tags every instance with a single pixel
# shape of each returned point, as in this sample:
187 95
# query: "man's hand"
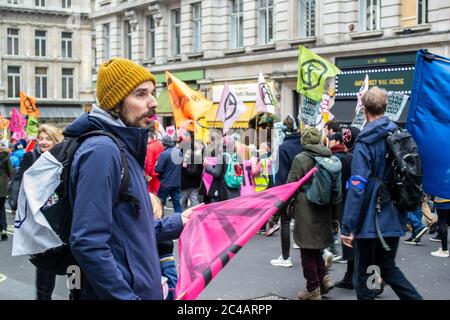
347 240
187 214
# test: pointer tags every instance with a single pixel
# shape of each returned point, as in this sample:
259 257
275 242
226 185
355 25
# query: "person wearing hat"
313 223
114 240
169 173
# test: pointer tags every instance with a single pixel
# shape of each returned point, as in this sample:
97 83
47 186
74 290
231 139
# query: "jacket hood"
135 139
376 130
317 150
292 137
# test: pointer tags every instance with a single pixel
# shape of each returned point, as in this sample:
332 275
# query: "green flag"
312 72
32 127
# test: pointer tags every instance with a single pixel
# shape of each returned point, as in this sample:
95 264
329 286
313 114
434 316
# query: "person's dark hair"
333 125
375 101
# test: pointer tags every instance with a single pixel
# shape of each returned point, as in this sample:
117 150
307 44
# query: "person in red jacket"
154 148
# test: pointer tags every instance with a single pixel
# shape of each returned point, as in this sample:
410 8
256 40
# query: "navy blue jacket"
369 161
287 151
169 171
114 245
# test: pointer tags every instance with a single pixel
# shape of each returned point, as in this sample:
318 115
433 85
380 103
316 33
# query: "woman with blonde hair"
48 136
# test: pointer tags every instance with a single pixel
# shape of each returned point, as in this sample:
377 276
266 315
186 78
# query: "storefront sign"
246 92
404 58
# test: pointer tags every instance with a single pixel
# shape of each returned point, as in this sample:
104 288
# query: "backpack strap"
123 196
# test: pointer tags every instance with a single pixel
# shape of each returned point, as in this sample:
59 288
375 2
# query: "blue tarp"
429 120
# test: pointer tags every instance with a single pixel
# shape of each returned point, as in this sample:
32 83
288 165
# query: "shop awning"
51 112
242 122
164 104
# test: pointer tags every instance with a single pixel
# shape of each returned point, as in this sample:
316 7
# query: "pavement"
249 275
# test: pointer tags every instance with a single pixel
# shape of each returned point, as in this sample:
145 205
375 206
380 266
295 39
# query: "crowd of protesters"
110 250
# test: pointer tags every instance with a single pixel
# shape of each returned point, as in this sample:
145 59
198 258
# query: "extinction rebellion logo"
312 72
230 106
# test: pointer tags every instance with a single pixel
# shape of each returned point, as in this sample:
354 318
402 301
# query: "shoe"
419 233
326 285
440 253
328 258
336 257
280 262
4 235
272 230
295 246
310 295
345 283
411 240
436 238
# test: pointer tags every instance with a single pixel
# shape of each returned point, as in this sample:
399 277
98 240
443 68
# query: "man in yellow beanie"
113 236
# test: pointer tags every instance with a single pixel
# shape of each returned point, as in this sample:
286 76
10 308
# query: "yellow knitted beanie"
117 78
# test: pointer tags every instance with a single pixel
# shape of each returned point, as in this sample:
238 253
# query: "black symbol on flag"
312 77
266 95
230 106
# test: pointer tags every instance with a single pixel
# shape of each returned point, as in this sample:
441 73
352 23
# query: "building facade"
46 51
210 42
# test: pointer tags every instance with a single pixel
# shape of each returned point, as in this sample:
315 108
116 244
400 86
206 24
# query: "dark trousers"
45 283
285 231
175 195
369 256
3 223
314 269
443 215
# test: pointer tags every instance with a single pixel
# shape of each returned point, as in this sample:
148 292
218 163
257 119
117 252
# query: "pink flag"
17 123
206 177
217 231
265 100
230 108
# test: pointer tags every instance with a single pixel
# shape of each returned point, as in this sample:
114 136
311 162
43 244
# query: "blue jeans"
414 218
370 253
175 194
169 270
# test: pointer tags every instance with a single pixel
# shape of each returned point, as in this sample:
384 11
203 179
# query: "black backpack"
58 210
405 183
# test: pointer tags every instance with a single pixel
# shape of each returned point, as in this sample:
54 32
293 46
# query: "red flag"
217 231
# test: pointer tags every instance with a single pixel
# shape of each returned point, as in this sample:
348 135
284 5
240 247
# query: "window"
369 15
422 11
66 45
127 39
67 83
237 24
307 26
265 21
13 42
13 1
197 21
106 42
150 37
39 3
176 25
41 82
13 82
66 4
40 43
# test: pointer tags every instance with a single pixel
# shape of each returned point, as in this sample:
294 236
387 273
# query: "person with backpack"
169 173
313 213
287 151
228 171
113 234
371 222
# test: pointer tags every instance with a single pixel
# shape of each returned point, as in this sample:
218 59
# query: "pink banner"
17 123
248 187
217 231
206 177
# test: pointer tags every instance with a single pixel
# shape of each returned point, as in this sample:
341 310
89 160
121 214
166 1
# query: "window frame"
41 81
176 32
128 38
197 26
13 42
265 17
67 84
66 45
106 34
66 4
13 79
40 43
237 24
422 14
39 3
151 32
307 18
363 17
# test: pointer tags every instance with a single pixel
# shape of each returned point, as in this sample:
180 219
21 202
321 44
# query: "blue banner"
429 120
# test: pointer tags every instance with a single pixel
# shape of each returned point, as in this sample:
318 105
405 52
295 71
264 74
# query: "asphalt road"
250 275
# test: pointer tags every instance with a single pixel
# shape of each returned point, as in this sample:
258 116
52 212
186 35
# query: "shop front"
392 72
